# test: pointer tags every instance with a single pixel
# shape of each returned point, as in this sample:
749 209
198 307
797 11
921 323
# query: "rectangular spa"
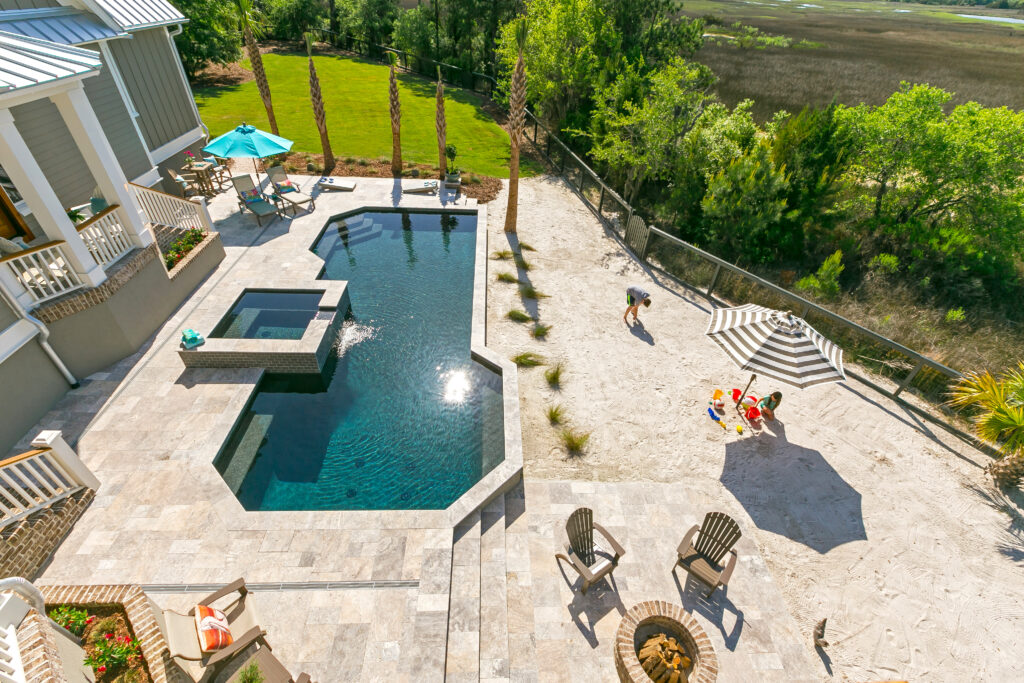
269 314
402 417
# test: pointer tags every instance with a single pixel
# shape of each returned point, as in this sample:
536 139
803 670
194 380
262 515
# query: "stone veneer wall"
305 363
38 647
139 609
28 544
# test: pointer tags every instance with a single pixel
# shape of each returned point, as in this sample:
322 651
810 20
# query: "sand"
866 515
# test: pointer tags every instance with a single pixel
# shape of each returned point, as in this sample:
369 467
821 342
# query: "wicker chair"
591 559
703 558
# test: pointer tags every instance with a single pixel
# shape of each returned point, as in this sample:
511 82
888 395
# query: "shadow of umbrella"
794 492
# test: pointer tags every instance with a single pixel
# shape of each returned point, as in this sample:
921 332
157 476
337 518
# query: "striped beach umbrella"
776 344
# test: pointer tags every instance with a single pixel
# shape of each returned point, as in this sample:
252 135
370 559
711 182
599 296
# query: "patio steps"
478 612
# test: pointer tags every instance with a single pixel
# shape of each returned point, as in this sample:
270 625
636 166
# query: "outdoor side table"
204 177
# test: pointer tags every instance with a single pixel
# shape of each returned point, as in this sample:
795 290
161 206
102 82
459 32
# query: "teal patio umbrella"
247 142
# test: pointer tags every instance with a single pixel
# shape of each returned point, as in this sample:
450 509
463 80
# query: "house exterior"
94 109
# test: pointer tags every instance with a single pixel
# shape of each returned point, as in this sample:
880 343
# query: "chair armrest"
247 639
729 566
581 569
303 678
687 540
236 585
619 550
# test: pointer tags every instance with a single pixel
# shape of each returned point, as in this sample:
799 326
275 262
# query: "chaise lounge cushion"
212 629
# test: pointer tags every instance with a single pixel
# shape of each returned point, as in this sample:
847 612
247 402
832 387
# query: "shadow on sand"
793 491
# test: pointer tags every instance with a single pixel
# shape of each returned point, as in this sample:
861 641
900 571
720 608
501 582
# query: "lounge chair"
251 199
588 556
287 190
270 667
425 187
703 558
186 183
183 641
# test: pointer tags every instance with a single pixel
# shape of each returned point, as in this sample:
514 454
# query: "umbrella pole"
744 394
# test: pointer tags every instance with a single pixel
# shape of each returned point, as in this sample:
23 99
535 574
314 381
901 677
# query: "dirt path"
865 515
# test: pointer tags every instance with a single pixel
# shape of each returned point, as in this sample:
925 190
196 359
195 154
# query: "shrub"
884 263
573 440
182 246
553 375
540 331
101 629
529 292
71 618
955 316
824 283
515 315
507 277
556 414
112 653
528 359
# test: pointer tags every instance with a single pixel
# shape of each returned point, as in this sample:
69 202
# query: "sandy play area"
866 515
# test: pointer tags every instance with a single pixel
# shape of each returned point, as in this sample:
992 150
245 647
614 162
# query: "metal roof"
25 62
136 14
58 24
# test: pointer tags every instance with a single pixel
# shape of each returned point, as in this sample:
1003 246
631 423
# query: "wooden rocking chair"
588 556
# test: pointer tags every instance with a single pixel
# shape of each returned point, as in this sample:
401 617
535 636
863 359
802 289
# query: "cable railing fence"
889 367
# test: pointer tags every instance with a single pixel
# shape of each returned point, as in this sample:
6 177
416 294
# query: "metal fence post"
909 378
600 202
714 280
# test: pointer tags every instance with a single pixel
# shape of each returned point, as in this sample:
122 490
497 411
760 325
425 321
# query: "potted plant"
453 177
189 158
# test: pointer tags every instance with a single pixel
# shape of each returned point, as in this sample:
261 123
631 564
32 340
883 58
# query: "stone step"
494 656
462 664
522 640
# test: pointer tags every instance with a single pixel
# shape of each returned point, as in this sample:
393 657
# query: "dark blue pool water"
263 314
403 418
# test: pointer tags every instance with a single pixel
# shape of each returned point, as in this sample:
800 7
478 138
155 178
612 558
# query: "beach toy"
190 339
717 419
753 413
739 429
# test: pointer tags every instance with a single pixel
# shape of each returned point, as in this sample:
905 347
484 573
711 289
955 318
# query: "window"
8 186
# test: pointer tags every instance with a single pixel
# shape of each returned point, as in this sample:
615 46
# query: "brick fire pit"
652 618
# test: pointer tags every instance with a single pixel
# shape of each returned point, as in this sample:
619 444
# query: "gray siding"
116 121
50 141
39 384
150 72
7 316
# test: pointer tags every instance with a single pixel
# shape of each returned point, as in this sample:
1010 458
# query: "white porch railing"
105 236
37 478
12 611
169 211
43 271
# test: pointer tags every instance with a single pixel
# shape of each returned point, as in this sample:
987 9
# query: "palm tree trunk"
516 119
442 127
1007 471
261 76
396 124
321 117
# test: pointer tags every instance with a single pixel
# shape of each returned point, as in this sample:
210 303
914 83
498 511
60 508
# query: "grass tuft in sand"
528 292
540 331
553 375
574 440
502 255
515 315
507 277
528 359
556 414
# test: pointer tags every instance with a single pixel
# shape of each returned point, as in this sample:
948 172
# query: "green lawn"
356 100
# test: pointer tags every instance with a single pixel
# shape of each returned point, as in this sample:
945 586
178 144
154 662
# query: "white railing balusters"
170 211
105 236
43 271
12 611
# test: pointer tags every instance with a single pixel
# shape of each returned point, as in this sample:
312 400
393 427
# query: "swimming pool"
403 417
269 314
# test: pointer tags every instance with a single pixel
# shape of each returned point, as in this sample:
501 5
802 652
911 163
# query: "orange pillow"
212 629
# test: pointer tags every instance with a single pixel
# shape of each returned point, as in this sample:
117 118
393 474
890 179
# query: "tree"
396 116
374 19
652 32
998 419
317 100
516 119
251 22
442 125
290 19
641 137
210 35
743 205
563 52
413 31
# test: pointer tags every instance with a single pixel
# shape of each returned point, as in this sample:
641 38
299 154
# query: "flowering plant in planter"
73 619
113 653
181 246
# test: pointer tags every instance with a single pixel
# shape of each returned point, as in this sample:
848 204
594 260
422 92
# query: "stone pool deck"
404 596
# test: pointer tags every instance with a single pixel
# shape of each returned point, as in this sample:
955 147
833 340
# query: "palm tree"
396 118
516 119
999 418
317 98
250 21
442 125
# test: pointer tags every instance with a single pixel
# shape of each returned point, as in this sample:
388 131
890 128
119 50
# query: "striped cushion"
212 629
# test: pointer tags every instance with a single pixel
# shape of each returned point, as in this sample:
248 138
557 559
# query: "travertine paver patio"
163 515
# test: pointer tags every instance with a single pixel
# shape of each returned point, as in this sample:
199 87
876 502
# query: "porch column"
92 142
23 170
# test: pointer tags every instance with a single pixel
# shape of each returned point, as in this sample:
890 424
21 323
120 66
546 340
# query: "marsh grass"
507 277
502 255
528 292
574 440
553 375
540 331
515 315
528 359
555 413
